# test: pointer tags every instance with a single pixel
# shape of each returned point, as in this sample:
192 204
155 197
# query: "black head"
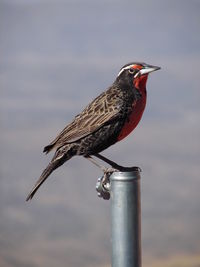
136 69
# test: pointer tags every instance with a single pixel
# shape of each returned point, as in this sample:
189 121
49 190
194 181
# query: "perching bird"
109 118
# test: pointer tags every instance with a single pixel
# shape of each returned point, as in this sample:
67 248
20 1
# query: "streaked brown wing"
102 110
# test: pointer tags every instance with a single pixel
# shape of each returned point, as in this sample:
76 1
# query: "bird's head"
135 73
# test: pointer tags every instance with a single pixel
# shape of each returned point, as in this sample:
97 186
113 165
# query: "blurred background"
55 57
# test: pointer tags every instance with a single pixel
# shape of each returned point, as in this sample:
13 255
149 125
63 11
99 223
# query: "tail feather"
54 164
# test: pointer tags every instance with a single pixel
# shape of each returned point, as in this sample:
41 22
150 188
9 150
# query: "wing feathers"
101 111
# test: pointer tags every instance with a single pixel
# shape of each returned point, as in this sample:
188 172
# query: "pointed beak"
148 69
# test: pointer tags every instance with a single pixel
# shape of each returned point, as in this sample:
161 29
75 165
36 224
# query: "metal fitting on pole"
125 219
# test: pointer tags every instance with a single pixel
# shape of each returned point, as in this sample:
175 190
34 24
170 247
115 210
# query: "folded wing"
103 110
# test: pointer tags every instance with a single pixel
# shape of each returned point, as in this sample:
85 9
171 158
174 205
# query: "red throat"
140 82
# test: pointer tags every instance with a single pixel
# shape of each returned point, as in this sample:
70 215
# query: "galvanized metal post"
125 219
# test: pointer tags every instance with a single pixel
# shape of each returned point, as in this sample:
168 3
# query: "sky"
55 57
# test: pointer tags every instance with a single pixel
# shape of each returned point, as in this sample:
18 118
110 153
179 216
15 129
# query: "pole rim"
128 175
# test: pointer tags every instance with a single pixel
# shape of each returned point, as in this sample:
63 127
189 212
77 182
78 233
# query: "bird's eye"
131 71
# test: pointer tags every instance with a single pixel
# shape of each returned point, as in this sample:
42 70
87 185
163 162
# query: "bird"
108 119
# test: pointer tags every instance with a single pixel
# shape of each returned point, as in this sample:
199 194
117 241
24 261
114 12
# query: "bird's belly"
133 120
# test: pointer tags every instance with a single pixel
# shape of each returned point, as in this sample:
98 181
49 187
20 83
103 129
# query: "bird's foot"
107 172
118 168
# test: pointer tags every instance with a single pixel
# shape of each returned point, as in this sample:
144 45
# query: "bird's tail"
54 164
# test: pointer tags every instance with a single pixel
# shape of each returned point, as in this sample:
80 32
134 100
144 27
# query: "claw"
107 173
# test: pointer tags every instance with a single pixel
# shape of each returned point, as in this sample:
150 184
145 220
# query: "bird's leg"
110 162
107 171
91 159
115 165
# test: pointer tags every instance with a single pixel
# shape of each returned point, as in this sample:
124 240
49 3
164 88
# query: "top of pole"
125 174
130 173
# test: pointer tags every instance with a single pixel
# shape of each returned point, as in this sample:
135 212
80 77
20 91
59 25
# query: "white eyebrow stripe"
125 68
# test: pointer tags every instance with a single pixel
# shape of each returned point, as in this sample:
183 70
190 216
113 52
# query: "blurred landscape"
55 57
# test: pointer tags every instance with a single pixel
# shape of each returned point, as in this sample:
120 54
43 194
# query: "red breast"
138 108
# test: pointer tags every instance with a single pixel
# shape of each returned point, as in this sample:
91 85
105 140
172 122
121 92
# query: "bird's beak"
147 69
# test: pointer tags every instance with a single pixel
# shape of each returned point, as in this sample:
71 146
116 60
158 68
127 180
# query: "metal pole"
125 219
